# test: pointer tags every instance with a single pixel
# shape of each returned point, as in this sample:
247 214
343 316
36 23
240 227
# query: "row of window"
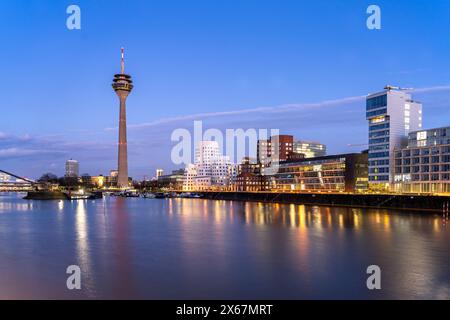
379 147
375 163
415 169
378 155
423 160
379 127
424 152
378 140
376 113
379 170
430 177
378 134
376 102
379 178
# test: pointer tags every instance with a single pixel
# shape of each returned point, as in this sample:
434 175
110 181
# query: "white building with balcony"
392 115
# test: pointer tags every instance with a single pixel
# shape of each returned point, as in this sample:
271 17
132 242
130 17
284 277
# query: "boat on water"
78 195
160 195
148 195
130 194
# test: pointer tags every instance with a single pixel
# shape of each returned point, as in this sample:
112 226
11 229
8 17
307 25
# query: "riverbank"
57 195
379 201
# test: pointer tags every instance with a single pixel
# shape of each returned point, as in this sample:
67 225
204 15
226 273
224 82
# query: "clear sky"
188 58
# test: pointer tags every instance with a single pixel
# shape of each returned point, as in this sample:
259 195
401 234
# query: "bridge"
12 182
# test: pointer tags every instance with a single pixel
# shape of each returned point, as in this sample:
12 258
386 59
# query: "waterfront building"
13 183
111 180
248 165
159 173
334 173
72 169
86 180
424 165
277 148
211 170
172 181
251 182
98 181
392 114
310 149
122 85
190 174
4 177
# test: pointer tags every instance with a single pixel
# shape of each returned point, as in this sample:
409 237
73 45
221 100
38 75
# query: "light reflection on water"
193 248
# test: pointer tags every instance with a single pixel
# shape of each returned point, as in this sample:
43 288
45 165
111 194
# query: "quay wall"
386 201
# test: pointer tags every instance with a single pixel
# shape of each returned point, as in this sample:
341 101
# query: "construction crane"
357 145
389 88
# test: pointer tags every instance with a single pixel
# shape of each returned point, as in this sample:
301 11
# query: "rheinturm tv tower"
122 85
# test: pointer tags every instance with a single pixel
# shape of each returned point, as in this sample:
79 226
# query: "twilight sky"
303 67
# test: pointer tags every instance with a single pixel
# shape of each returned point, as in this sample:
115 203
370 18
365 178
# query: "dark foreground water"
193 248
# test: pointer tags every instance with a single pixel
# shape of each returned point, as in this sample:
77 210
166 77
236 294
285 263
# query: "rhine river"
201 249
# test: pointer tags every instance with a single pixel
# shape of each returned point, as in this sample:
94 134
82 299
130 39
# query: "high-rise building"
424 166
206 151
72 169
211 170
159 173
122 85
310 149
392 115
277 148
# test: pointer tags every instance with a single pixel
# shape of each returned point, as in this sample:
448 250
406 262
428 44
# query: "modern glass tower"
122 85
392 114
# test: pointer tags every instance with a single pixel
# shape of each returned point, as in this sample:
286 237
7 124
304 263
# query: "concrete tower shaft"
122 85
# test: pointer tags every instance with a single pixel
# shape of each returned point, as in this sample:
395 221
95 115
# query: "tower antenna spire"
122 63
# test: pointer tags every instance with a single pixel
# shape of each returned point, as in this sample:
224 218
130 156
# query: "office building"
72 169
172 181
424 165
159 173
392 115
277 148
310 149
334 173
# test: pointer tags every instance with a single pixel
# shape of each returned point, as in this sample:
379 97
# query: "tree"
48 178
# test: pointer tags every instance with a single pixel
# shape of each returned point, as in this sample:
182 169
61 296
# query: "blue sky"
189 58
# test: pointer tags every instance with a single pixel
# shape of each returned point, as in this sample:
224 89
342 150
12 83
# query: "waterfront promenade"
386 201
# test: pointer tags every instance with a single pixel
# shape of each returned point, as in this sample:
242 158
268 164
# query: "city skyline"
176 89
236 155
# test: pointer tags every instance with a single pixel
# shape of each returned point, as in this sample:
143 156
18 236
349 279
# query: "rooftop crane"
389 88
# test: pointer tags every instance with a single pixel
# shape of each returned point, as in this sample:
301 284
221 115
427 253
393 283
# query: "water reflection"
83 247
194 248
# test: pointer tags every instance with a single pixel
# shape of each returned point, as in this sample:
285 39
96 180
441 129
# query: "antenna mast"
122 63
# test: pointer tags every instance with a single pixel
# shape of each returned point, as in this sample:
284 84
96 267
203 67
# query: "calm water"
193 248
